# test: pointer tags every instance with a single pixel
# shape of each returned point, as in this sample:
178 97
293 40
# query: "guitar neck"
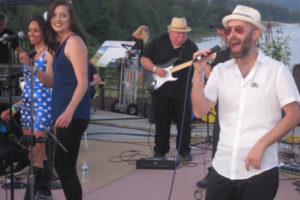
181 66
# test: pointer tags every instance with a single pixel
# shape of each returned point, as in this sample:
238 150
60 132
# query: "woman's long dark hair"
51 34
42 24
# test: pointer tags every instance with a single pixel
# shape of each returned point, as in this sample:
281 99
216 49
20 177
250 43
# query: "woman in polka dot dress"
42 81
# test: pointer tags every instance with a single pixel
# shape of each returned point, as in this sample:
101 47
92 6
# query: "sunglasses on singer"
238 29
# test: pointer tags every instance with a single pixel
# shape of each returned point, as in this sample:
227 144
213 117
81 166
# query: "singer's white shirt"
248 109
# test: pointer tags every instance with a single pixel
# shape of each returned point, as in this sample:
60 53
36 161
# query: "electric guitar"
154 81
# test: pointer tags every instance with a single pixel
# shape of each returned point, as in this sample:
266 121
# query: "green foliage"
277 48
117 19
269 12
226 4
19 16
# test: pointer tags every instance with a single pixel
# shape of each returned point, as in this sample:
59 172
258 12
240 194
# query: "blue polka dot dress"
41 99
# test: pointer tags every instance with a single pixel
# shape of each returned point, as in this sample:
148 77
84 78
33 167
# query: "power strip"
155 163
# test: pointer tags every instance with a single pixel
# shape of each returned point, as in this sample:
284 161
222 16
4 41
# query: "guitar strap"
177 58
180 54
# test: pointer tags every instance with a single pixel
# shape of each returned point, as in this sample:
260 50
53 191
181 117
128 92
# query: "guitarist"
168 100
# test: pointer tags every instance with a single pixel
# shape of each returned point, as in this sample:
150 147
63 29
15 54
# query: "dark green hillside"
117 19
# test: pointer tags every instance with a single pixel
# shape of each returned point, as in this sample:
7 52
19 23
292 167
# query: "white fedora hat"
179 25
246 14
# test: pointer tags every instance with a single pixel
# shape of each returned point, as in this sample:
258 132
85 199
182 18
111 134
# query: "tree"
277 47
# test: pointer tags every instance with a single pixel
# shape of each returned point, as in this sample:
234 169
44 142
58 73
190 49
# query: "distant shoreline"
279 24
196 38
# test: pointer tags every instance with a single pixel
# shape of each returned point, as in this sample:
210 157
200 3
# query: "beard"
245 46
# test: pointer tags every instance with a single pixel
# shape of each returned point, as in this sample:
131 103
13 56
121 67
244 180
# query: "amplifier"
152 163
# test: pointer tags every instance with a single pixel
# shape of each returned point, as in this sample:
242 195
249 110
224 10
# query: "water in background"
291 30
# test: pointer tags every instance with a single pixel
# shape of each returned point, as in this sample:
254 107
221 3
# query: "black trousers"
260 187
165 110
65 162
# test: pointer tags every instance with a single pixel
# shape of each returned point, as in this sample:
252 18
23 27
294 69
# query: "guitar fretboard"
181 66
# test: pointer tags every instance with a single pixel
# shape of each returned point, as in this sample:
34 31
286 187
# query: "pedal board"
152 163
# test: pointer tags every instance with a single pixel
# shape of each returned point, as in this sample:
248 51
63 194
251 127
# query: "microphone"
31 53
6 37
220 46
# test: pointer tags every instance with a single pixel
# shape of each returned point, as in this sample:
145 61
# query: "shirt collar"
261 59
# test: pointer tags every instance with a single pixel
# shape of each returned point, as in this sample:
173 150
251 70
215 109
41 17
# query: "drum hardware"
5 79
10 141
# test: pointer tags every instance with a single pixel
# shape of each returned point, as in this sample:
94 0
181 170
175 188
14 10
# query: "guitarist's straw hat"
179 25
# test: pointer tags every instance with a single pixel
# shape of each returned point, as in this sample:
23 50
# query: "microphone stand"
51 134
33 140
31 175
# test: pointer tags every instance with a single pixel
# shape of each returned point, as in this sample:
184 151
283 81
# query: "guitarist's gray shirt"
160 51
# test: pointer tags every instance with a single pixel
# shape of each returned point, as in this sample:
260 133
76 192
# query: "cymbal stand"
10 115
11 136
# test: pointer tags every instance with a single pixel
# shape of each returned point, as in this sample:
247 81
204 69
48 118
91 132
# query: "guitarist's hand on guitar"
160 71
201 64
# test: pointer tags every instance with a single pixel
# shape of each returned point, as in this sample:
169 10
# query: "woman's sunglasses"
238 29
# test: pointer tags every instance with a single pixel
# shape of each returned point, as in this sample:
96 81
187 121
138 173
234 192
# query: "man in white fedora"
251 89
171 99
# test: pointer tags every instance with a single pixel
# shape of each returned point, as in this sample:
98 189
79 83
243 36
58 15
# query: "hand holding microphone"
27 58
206 52
201 57
24 59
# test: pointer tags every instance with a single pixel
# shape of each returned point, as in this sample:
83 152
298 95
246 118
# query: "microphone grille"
222 45
5 35
21 35
4 41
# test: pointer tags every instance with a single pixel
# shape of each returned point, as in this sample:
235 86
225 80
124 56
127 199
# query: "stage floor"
115 141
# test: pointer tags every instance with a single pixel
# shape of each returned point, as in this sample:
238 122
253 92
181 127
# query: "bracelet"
154 68
15 108
135 52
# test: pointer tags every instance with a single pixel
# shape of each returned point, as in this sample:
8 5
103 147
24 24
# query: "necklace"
40 52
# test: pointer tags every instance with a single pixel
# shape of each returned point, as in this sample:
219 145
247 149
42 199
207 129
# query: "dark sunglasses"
238 29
